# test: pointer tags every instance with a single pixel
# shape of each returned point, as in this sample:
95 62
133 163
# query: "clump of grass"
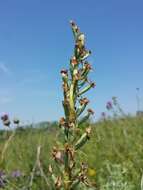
6 122
114 142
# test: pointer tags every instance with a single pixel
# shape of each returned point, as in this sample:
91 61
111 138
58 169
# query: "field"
114 154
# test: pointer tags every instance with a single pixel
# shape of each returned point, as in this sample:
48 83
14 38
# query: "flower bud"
4 117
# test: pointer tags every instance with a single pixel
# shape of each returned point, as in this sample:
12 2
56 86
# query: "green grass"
115 152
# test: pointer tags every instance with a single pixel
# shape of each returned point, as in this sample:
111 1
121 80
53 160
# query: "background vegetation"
114 154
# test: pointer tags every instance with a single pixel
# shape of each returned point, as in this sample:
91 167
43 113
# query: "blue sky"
36 42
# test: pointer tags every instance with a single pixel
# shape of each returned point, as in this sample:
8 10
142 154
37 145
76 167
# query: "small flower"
4 117
5 120
74 61
1 183
109 105
72 23
90 111
62 121
93 84
2 179
87 66
103 114
16 174
84 101
57 155
2 173
64 73
16 121
74 26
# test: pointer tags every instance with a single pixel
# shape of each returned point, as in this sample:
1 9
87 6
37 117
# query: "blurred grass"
114 152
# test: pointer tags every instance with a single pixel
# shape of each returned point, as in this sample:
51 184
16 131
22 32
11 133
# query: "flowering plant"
75 83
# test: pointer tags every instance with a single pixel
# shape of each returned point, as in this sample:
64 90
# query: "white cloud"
5 100
4 68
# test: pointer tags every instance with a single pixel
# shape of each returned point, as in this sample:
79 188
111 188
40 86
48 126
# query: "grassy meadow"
114 154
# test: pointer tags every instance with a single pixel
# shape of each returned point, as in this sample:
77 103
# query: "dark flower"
4 117
90 111
103 114
64 73
109 105
16 121
5 120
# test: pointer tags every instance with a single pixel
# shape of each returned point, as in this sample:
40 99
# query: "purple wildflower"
1 183
1 173
109 105
4 117
2 179
16 174
103 114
